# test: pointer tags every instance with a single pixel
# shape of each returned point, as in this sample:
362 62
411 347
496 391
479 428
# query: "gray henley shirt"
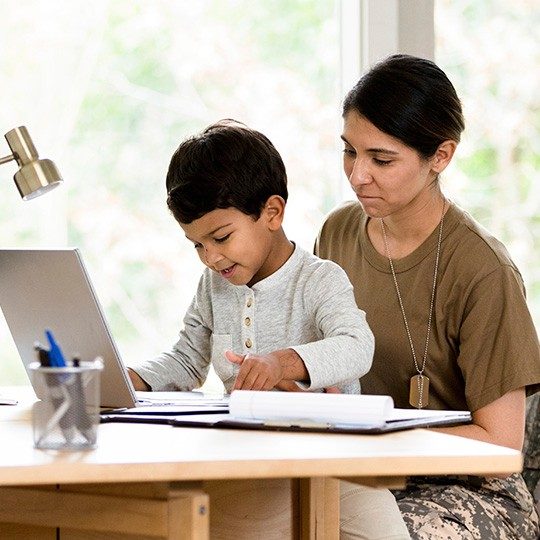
307 305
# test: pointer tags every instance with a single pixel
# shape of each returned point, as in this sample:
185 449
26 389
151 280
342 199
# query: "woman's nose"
359 174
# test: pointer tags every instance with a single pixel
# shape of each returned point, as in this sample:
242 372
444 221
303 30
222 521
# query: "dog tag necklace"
419 386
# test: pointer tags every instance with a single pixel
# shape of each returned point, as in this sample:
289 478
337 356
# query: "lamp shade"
35 176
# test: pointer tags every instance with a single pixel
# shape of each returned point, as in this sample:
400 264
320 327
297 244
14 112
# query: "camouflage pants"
468 507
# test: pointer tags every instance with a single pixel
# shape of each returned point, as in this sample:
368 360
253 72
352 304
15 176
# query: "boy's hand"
287 385
256 372
290 386
138 382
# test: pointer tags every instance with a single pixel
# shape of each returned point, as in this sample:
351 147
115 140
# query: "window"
490 52
108 90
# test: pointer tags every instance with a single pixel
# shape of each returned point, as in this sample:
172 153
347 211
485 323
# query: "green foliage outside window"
491 52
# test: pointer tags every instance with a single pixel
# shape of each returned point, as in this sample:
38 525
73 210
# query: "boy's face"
236 245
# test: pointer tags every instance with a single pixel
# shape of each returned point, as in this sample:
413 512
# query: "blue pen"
55 353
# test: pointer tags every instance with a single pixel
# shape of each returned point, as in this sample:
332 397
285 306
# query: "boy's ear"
274 212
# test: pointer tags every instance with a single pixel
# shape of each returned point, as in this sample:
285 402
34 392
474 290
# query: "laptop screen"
50 289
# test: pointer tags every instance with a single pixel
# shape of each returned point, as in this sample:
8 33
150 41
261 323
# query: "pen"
55 353
43 354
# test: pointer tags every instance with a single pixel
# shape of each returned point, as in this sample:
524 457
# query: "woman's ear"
443 156
274 212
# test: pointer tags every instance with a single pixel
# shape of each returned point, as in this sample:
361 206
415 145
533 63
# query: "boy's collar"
280 274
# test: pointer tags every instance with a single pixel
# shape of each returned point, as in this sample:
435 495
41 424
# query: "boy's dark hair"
410 99
226 165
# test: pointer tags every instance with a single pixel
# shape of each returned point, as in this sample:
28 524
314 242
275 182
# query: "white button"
249 302
247 321
248 343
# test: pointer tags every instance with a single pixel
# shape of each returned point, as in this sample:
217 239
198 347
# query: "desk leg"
319 508
251 509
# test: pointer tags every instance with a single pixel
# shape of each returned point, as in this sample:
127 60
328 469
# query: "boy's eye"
196 245
349 151
222 239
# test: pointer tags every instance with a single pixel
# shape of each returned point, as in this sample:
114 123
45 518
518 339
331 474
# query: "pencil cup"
67 416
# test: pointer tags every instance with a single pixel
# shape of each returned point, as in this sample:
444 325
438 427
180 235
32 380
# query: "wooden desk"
151 481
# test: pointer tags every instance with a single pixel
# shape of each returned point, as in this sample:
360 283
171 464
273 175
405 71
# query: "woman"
442 296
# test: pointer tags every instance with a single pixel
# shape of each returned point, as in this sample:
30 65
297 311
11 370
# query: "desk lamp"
35 176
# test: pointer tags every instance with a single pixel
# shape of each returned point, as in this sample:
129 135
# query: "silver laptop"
51 289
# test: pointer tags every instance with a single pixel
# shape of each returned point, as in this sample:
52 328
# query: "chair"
531 448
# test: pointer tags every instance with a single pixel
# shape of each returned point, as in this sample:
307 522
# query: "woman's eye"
382 161
349 152
222 239
197 246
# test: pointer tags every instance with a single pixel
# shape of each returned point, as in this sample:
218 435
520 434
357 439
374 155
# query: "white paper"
182 398
313 407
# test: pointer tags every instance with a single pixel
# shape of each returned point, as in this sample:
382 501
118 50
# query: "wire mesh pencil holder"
67 415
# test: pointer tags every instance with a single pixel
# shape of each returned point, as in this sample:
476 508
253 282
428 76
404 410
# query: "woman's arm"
501 422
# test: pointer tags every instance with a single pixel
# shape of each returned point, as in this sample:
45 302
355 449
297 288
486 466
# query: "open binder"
306 411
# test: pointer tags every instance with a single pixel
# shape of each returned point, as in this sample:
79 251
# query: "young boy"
267 314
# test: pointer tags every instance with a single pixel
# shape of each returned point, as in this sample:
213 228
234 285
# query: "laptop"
51 289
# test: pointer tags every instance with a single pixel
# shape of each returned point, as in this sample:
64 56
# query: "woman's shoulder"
343 221
344 213
340 229
475 240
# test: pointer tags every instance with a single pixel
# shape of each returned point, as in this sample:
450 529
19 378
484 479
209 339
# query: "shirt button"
248 343
247 321
249 302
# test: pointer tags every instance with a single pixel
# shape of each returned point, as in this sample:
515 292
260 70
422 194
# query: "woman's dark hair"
410 99
226 165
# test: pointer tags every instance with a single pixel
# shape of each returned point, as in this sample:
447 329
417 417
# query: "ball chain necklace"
419 385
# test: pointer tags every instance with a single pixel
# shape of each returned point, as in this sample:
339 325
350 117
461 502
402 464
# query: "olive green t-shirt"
483 342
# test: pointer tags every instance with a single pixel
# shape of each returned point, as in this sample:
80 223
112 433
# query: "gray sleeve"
345 352
186 365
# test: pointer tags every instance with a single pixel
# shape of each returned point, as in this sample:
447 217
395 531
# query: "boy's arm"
342 355
138 382
345 351
186 365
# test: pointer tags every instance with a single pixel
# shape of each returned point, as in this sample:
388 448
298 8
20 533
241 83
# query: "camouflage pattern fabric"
468 507
531 448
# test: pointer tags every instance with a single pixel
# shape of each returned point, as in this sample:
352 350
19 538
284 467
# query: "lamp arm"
5 159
